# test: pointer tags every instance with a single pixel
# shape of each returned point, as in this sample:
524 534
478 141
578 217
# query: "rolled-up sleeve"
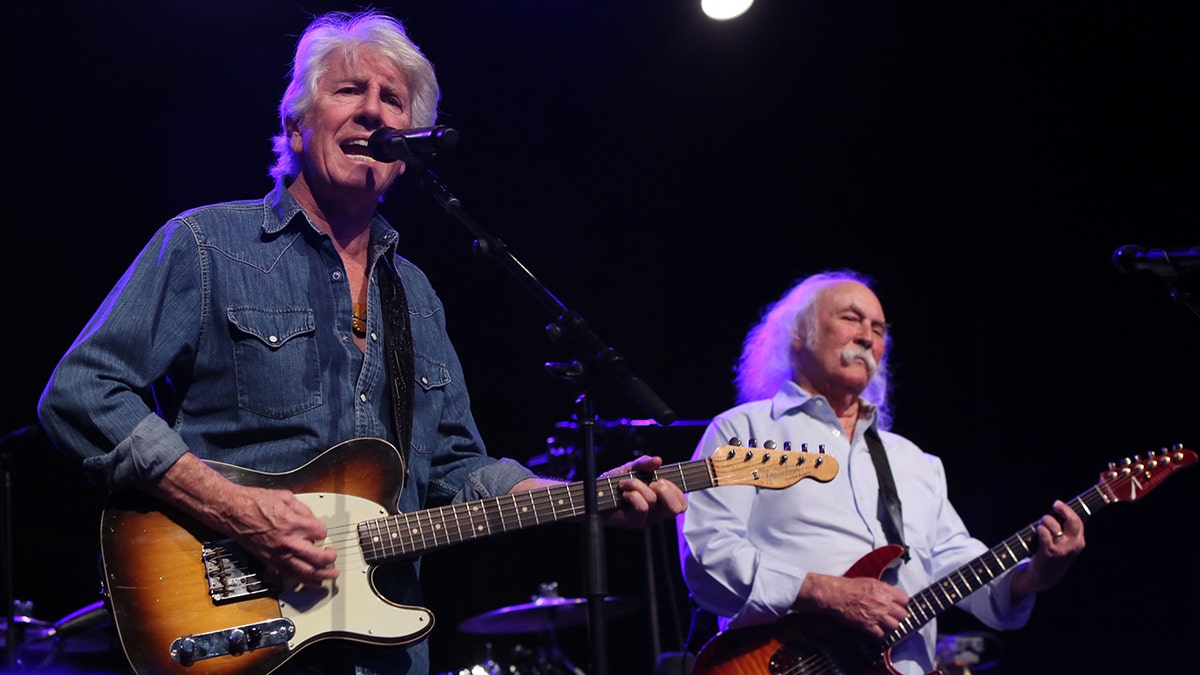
100 402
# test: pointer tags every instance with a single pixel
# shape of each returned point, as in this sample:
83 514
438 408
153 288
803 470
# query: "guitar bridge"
232 573
188 649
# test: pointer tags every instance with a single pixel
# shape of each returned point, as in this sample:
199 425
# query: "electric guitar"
807 644
187 601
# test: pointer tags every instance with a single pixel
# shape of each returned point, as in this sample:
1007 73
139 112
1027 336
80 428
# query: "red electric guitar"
807 644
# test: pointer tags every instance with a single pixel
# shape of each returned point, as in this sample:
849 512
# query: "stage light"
722 10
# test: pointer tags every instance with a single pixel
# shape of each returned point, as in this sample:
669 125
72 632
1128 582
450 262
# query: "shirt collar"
791 398
282 207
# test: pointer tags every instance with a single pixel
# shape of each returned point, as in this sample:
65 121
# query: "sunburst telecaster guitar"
807 644
187 601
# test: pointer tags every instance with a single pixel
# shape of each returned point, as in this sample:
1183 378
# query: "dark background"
667 176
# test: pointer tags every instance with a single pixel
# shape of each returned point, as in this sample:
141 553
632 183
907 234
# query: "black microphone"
1131 259
389 145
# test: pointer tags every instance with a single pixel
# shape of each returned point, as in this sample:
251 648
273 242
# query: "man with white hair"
814 372
238 366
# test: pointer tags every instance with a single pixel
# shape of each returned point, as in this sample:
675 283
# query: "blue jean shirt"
230 337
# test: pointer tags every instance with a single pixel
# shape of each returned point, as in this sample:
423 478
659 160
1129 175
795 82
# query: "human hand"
643 504
280 530
1061 540
864 603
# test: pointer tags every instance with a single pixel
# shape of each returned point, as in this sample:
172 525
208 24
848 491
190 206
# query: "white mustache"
856 351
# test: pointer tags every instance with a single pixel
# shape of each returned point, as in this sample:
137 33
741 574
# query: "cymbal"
542 615
32 628
84 631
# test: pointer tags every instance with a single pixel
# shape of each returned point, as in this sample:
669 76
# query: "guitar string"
508 510
511 510
826 663
688 475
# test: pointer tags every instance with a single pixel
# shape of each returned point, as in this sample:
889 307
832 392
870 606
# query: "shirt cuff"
144 456
493 480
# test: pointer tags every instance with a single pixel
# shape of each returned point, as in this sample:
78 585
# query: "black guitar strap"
889 502
397 343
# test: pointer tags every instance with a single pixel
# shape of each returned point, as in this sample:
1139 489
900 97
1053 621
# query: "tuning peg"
769 445
734 440
753 443
787 446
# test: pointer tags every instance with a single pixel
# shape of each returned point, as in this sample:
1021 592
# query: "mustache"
855 351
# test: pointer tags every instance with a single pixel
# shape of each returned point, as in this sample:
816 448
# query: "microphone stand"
1182 295
14 633
570 326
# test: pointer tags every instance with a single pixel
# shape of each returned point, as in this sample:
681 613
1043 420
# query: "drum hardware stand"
14 635
567 326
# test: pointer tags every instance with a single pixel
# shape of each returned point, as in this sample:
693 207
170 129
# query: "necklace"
358 319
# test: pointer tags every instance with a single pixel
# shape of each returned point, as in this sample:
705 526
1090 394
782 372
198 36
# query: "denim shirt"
230 337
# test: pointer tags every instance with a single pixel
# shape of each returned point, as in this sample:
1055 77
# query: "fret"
413 534
533 507
571 500
957 595
482 524
548 494
516 514
431 528
1011 557
442 526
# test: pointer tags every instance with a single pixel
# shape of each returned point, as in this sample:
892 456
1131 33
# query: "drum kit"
543 617
969 652
83 638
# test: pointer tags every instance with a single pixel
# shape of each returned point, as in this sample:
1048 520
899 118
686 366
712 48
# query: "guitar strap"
889 502
398 346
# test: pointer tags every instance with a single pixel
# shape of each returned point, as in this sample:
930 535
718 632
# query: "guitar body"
802 644
809 644
188 601
159 591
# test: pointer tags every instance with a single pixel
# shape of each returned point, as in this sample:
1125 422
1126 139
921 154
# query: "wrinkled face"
843 347
352 101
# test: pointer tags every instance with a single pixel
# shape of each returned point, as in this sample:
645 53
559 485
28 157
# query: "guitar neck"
408 535
926 605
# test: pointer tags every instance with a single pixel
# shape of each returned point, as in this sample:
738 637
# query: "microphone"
389 145
1131 259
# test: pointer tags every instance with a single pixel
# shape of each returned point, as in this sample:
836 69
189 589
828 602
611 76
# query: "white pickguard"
348 606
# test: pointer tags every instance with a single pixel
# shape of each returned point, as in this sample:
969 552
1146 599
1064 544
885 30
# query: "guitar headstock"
1129 479
770 467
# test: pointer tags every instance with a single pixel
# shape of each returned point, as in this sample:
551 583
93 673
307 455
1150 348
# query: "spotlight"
722 10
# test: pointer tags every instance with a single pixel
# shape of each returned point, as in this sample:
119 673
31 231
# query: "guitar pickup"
189 649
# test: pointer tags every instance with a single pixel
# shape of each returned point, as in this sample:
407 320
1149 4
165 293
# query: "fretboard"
946 592
407 535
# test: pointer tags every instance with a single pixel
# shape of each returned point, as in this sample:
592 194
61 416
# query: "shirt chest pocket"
275 360
432 378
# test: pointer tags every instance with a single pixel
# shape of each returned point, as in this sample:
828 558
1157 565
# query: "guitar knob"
237 641
254 636
185 651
